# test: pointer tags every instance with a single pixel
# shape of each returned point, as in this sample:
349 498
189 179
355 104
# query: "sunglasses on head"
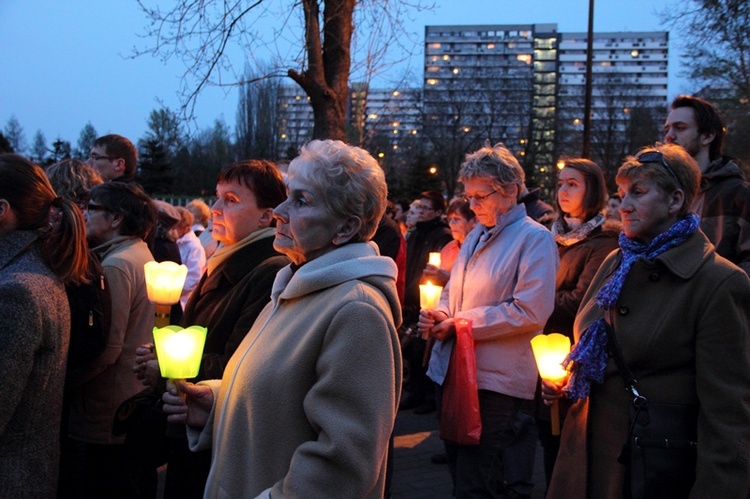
656 157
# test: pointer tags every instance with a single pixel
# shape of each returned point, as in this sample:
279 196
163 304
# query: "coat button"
623 310
653 277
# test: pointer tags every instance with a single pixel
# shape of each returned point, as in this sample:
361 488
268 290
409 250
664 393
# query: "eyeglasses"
96 157
657 157
480 197
96 207
421 207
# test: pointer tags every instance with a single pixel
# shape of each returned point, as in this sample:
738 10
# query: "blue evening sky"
63 61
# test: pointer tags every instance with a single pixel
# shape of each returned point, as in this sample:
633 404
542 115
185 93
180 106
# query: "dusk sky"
64 63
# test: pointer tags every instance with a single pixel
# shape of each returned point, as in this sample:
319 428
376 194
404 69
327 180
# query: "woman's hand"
436 275
187 403
436 323
146 366
552 391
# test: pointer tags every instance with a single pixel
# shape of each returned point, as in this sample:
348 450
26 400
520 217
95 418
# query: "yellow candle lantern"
434 259
550 351
164 282
429 296
179 350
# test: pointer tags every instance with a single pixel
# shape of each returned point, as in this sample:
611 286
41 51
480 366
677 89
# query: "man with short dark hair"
723 200
114 157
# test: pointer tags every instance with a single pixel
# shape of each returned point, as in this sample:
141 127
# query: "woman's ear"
266 217
348 231
7 217
676 200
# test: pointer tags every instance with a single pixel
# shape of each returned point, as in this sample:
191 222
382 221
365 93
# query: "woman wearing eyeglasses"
504 281
677 315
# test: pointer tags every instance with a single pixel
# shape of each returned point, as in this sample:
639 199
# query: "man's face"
681 128
107 166
426 211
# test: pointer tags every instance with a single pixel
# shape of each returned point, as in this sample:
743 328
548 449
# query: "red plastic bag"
459 417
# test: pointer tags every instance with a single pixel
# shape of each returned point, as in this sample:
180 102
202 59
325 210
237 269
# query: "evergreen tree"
15 135
39 150
85 141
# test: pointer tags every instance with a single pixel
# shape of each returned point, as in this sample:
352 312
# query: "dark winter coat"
228 301
723 204
427 236
578 265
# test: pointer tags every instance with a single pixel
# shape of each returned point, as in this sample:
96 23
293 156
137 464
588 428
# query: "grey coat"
34 335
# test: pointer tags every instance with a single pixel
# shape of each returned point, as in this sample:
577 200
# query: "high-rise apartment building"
523 85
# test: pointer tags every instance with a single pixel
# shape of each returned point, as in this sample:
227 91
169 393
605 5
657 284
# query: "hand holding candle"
550 352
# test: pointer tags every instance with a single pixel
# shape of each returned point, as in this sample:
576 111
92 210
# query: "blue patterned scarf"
589 356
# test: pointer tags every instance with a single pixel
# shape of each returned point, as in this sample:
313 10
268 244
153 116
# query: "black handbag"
661 450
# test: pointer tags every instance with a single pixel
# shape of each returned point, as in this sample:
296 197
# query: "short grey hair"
350 180
496 163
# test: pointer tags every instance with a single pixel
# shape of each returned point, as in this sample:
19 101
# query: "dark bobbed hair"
682 163
73 179
437 200
131 202
260 176
462 206
31 197
596 188
118 146
708 119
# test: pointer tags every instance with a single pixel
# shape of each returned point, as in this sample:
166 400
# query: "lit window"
395 146
372 116
576 121
395 93
433 45
432 81
432 69
297 97
283 135
446 57
395 131
396 123
524 58
634 53
490 46
413 132
467 129
455 71
381 154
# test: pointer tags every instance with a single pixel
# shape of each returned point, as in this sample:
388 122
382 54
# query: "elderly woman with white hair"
504 282
307 403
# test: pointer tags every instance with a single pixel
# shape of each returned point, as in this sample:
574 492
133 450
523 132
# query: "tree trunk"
326 80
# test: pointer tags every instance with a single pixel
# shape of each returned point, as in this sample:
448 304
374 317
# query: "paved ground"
415 476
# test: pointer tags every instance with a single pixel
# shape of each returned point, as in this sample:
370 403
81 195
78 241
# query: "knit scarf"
590 354
576 235
224 252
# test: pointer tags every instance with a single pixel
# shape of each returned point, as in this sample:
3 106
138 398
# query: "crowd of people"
308 282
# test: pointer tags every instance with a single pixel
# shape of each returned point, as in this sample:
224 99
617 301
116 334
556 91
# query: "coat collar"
15 243
685 259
